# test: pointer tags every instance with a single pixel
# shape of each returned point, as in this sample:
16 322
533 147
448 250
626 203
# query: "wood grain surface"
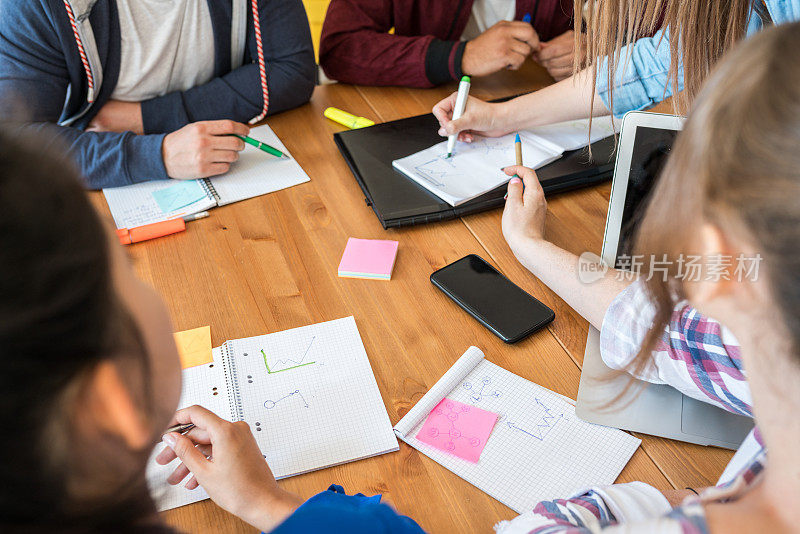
270 263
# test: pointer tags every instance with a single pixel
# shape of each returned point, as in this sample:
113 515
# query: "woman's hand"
481 118
524 214
224 459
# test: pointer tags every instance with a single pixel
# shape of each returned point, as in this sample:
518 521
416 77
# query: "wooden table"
270 263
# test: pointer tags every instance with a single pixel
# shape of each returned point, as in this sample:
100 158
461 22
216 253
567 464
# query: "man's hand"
224 459
202 149
505 45
118 116
557 55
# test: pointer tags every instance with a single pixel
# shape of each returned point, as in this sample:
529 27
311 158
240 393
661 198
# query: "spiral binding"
232 379
209 188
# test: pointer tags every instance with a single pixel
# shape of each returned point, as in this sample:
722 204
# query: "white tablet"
643 139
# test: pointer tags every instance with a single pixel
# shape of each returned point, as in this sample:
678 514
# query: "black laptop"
399 201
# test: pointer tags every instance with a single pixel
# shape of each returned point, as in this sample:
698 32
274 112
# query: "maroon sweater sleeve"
356 47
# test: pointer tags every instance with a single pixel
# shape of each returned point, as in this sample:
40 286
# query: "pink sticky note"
458 428
368 258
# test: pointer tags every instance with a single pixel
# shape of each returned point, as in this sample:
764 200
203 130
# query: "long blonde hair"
736 165
706 29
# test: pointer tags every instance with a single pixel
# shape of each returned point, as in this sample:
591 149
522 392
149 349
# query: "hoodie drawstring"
84 60
262 68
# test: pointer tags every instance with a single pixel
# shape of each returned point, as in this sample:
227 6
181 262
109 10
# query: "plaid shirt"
699 357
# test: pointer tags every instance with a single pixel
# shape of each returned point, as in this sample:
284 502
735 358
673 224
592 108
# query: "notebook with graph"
475 168
255 173
538 449
308 394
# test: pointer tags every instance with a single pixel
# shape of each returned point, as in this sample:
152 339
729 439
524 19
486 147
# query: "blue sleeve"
641 78
335 511
33 87
291 75
641 81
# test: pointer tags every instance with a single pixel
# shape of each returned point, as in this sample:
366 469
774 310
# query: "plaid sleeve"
591 511
696 354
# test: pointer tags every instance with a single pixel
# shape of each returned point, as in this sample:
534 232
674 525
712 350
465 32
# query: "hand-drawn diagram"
449 413
479 394
437 171
491 147
541 430
271 404
298 362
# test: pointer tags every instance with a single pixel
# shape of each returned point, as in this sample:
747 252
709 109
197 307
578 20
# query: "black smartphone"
499 304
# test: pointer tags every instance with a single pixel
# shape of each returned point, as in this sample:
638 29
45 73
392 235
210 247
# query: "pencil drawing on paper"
438 171
449 414
543 427
479 394
271 404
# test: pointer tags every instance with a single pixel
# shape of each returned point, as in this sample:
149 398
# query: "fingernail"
169 439
442 132
515 180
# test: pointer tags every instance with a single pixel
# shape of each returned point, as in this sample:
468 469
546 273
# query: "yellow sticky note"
194 346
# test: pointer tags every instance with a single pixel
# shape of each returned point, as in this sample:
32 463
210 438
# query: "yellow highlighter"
347 119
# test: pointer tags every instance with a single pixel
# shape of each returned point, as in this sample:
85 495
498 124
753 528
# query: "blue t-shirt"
335 511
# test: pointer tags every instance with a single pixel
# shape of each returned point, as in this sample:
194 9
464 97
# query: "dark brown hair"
59 317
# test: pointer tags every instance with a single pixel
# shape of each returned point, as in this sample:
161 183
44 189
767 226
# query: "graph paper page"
203 385
538 450
310 397
134 205
258 173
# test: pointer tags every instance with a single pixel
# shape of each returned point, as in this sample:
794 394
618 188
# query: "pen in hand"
263 146
518 152
181 428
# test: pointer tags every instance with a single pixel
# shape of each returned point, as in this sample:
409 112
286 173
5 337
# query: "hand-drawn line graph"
541 430
450 417
437 170
478 395
488 146
270 404
299 362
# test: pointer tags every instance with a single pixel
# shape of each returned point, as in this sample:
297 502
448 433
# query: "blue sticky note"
179 195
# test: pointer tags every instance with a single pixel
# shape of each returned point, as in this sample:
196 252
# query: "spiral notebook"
308 394
538 450
256 173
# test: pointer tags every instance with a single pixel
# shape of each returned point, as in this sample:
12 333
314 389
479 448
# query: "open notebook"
308 394
255 173
538 449
475 168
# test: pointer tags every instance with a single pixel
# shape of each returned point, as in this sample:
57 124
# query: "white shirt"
487 13
166 46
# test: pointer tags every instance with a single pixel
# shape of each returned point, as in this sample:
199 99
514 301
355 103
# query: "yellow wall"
316 15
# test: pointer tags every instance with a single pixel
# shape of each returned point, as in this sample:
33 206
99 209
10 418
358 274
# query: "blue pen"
527 18
518 151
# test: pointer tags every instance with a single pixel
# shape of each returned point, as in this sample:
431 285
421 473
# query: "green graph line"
271 372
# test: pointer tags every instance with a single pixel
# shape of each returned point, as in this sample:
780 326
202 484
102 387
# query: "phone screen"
500 305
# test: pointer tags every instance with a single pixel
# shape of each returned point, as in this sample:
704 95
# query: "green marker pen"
263 146
458 110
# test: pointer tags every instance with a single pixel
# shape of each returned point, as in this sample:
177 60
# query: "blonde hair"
736 165
706 29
